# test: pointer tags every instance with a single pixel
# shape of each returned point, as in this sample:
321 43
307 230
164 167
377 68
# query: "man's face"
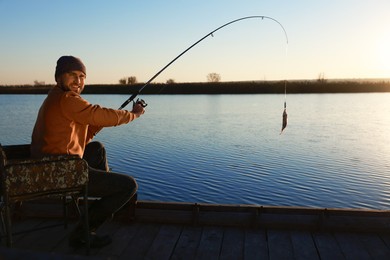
72 81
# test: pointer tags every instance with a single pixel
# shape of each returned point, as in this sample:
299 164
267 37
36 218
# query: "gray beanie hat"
69 63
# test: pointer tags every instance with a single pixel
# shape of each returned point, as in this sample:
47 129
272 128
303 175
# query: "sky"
334 39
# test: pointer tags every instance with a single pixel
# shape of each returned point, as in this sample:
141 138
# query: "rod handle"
128 100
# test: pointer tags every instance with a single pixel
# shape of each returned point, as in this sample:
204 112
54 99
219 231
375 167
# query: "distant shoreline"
255 87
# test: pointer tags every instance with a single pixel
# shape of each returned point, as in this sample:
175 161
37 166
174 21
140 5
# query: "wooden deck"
159 239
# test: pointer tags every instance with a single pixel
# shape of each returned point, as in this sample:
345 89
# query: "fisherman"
66 124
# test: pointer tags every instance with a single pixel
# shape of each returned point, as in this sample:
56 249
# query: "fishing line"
135 94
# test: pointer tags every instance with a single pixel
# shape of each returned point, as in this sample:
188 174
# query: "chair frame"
17 157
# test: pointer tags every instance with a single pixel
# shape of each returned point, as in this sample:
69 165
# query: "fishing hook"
135 94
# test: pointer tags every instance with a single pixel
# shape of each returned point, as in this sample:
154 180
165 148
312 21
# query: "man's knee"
95 155
129 185
122 183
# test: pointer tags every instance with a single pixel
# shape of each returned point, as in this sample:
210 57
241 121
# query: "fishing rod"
142 102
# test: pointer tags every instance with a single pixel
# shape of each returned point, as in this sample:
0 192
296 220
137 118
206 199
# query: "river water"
334 152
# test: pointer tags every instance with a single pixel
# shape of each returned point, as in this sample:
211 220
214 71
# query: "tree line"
132 80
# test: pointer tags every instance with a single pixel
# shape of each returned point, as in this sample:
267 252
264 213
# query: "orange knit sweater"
66 123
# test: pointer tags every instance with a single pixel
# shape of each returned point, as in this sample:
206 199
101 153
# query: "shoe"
95 241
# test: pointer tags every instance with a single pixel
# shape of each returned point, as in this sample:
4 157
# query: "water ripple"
210 149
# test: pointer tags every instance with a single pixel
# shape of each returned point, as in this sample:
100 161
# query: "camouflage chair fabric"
51 174
24 178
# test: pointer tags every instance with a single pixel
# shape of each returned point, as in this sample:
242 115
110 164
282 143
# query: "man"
66 124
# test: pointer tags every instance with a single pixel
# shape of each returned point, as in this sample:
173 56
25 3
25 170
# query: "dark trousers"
114 190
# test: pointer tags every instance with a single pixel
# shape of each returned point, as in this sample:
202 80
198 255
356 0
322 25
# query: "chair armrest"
48 174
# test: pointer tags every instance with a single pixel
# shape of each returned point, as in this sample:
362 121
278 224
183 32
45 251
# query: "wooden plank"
120 234
16 254
64 248
287 221
272 217
285 210
20 226
279 244
164 243
303 245
188 243
327 246
356 223
142 204
256 245
164 216
241 219
140 240
210 243
375 246
108 228
386 239
233 244
139 245
351 247
44 239
48 239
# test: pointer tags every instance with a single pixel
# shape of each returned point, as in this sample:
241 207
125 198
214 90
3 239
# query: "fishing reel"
141 102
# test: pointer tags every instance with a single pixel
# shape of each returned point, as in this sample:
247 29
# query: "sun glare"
384 54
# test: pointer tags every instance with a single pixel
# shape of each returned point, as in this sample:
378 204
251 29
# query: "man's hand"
138 109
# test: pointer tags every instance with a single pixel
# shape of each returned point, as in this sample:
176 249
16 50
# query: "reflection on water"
227 148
